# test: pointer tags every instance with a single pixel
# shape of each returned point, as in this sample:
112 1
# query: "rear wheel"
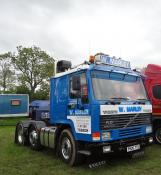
34 138
20 138
157 135
68 148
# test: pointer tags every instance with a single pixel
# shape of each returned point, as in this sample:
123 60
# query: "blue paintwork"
8 110
40 104
59 100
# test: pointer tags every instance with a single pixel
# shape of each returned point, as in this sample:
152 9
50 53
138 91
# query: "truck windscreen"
110 85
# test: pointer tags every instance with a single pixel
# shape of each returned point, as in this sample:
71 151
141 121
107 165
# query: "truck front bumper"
120 146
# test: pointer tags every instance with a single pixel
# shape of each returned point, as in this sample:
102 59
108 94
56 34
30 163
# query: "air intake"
63 66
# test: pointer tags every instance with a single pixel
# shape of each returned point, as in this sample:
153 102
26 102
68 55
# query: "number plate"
133 148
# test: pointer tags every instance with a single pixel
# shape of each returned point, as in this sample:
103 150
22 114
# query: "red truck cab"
152 81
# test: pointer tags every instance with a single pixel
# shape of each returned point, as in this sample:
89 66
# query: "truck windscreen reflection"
106 88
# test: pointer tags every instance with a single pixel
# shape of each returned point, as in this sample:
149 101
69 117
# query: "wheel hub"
158 135
20 140
33 137
20 135
66 148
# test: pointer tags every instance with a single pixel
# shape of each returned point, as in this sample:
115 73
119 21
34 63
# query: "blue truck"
98 107
14 105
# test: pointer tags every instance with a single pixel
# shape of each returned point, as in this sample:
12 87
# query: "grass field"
16 160
11 121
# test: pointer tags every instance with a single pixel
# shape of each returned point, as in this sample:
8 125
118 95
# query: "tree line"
26 71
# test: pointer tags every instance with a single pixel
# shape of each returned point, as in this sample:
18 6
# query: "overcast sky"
74 29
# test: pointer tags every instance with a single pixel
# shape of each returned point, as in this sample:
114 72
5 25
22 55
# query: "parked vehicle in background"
152 81
14 105
39 110
98 107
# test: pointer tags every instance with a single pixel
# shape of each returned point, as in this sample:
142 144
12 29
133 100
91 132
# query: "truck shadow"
97 161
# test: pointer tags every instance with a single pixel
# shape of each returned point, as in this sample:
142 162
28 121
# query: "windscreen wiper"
142 99
113 102
120 98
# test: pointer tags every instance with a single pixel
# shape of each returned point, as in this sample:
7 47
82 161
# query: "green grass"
17 160
12 121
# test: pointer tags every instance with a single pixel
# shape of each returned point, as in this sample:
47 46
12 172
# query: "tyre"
68 148
34 138
157 135
20 137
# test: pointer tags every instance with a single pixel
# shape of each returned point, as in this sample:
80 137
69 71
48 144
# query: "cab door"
78 103
156 100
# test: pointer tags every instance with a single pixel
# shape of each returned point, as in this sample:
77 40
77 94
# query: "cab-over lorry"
97 107
152 79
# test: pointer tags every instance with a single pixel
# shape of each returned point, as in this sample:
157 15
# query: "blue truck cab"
100 106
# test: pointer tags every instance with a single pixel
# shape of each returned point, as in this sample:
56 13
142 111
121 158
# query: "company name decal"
130 109
124 109
82 124
78 112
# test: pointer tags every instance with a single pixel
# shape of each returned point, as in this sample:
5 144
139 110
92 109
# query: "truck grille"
120 121
129 132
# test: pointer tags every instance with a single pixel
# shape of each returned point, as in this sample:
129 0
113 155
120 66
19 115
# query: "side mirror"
76 83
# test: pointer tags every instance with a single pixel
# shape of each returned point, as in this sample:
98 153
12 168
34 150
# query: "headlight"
151 140
148 129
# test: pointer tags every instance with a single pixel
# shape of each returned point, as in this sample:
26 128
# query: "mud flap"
138 154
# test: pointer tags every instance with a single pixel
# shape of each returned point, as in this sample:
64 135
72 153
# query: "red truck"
152 80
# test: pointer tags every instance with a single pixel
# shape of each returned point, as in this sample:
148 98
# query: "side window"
157 92
15 102
79 90
74 93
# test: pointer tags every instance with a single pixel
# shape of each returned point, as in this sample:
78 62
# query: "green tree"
34 66
6 72
43 92
22 89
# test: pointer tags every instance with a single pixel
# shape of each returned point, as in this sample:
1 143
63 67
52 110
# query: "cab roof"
152 71
99 67
102 62
153 68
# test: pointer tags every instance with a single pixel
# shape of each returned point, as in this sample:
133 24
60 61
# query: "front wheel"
68 148
157 135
